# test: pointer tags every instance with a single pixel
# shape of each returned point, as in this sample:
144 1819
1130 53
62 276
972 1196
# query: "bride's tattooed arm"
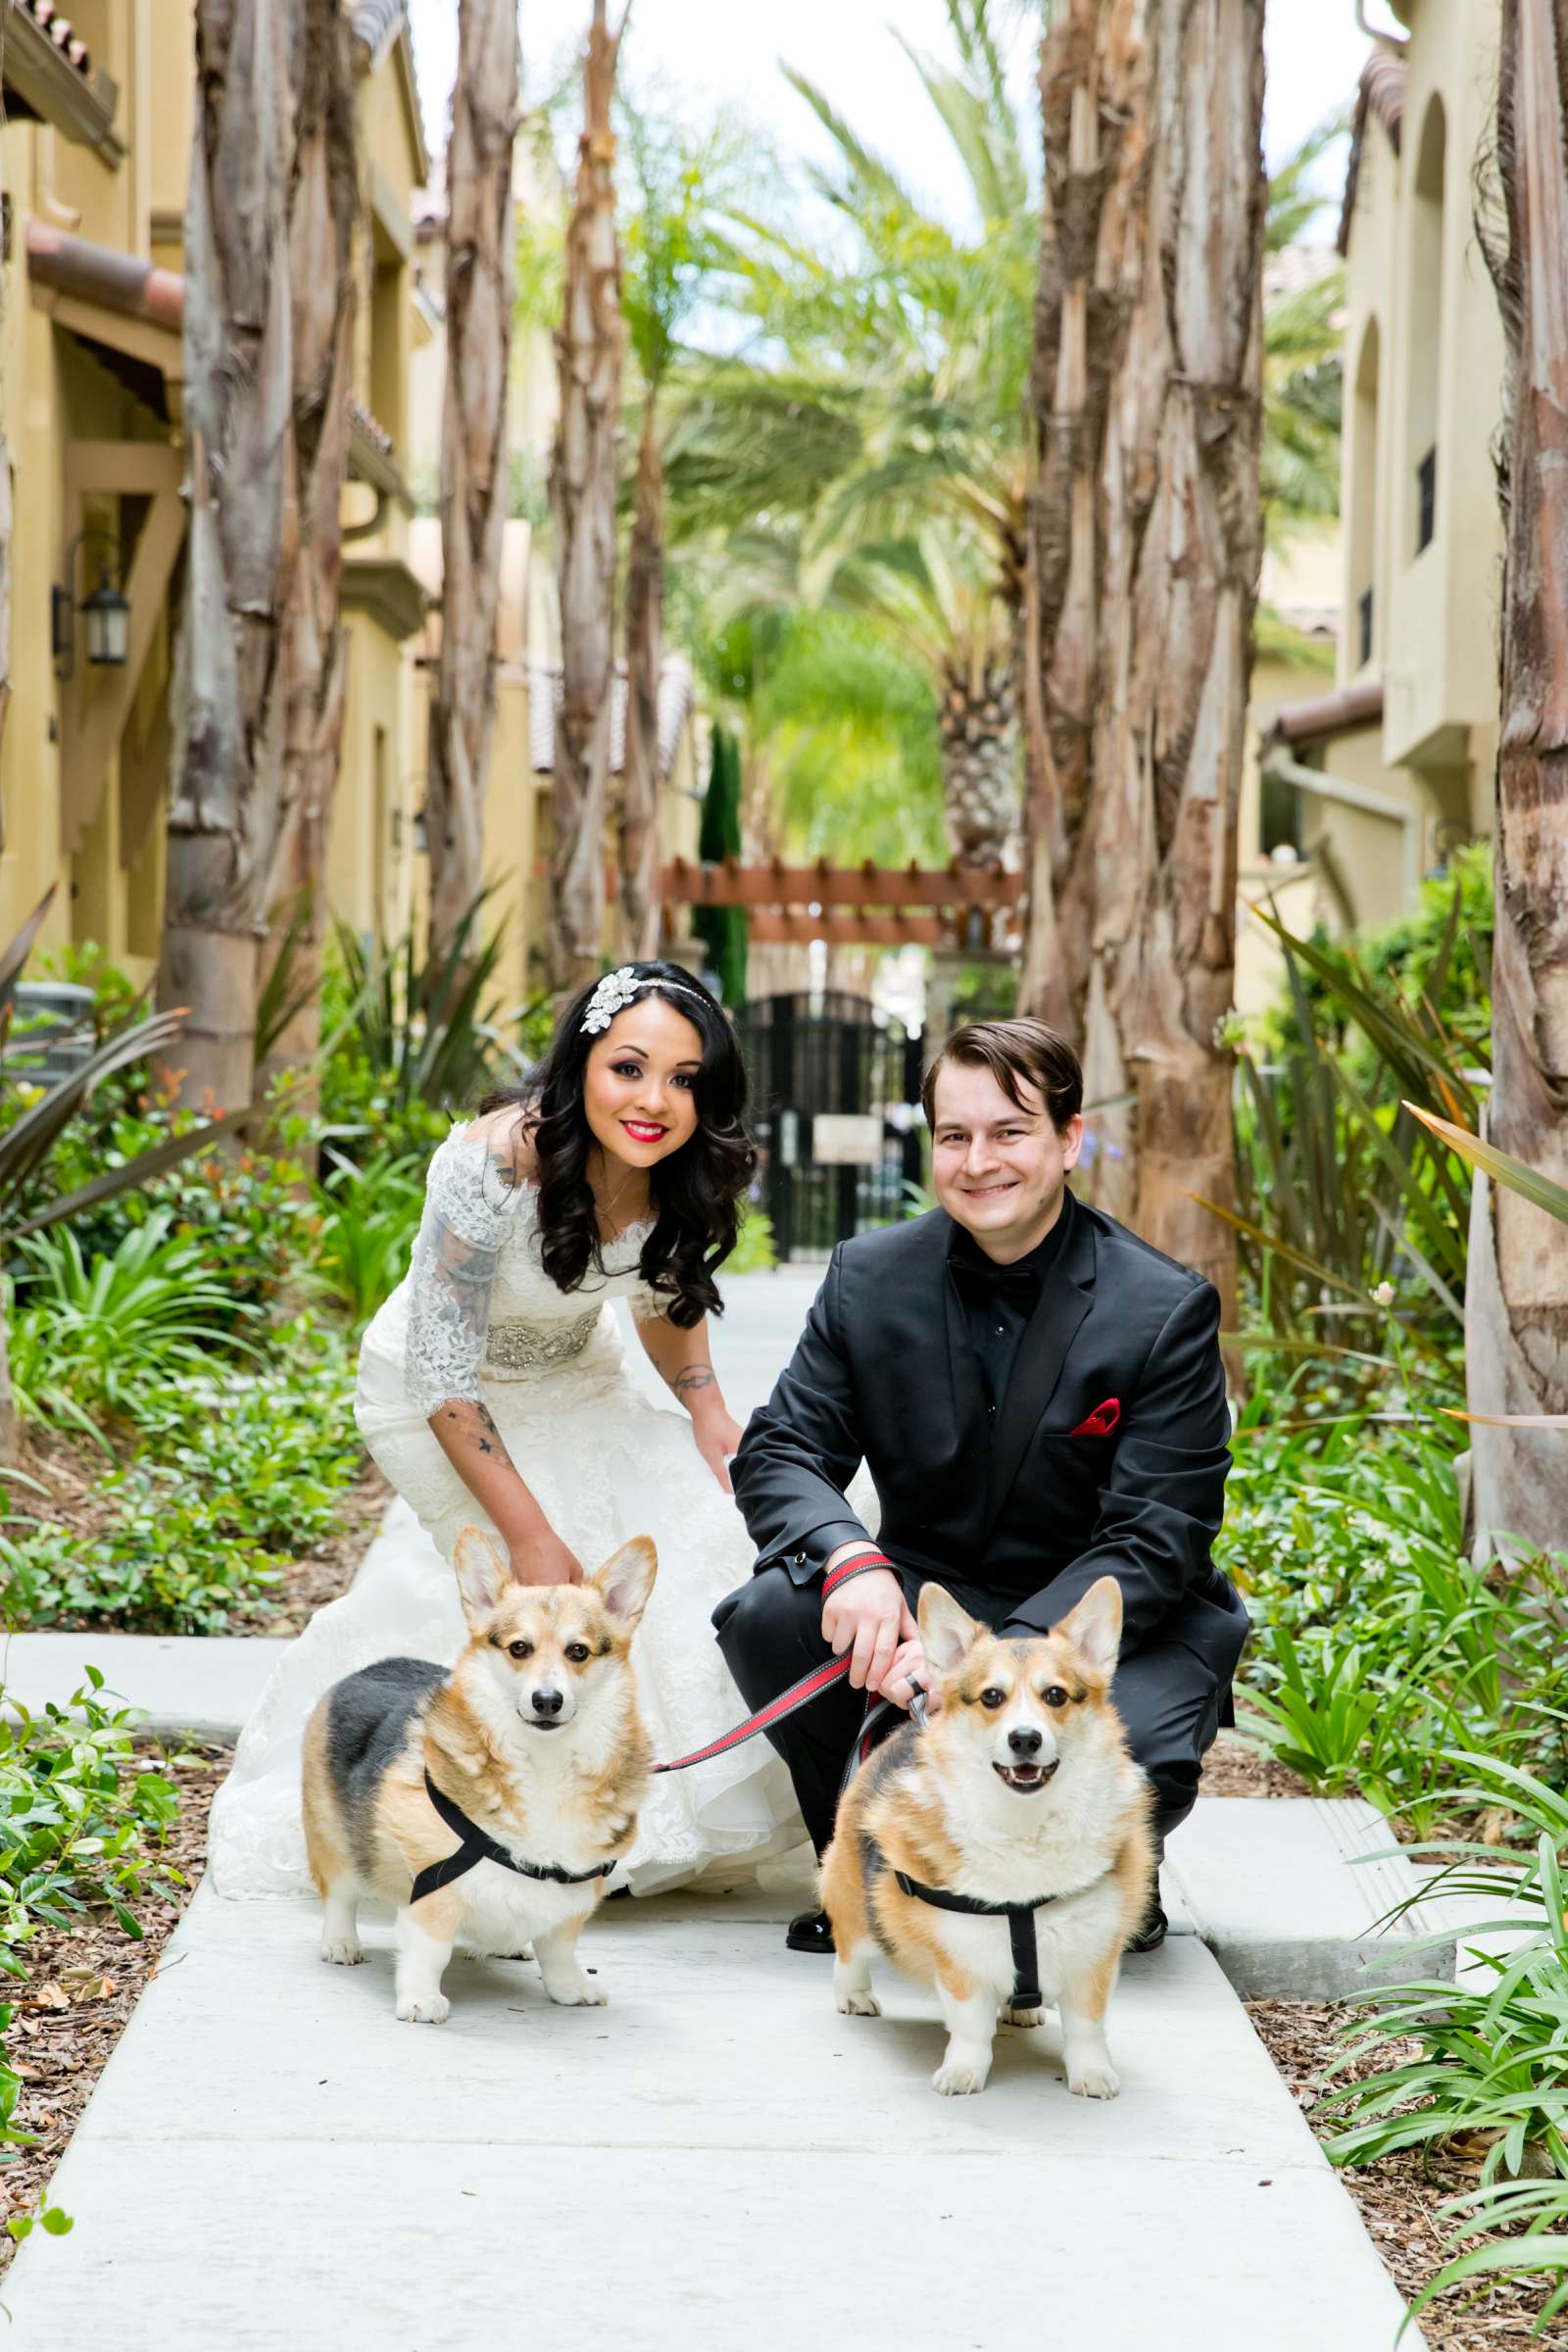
682 1360
465 1429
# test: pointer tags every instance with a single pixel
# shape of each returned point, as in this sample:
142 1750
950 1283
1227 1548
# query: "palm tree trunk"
5 603
1094 150
1516 1300
1144 562
10 1425
323 225
1177 645
645 660
589 348
243 530
979 743
480 279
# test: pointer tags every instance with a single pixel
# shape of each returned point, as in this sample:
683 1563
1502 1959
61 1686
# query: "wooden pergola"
851 906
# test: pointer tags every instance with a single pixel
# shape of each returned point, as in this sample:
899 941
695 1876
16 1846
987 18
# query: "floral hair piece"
615 991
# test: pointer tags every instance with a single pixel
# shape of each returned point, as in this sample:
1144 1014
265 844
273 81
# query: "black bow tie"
1018 1284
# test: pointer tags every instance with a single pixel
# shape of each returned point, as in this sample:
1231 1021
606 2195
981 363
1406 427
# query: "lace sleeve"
470 1200
646 1305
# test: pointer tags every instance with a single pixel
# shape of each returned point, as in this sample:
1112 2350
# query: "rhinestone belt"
529 1346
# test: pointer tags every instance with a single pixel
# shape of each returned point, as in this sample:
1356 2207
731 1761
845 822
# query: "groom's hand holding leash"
863 1610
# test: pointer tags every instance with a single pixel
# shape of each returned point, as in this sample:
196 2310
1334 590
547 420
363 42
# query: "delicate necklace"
608 1211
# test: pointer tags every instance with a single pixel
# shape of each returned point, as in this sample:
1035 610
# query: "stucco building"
1370 783
96 148
95 151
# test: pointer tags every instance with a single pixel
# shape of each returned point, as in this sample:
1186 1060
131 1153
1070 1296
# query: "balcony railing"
1425 500
1363 627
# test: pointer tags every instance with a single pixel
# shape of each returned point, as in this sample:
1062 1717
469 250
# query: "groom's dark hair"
1018 1055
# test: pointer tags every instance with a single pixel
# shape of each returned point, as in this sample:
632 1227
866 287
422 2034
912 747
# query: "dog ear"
624 1582
1094 1627
946 1632
481 1573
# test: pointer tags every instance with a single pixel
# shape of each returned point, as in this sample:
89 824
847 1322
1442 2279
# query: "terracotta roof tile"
1380 93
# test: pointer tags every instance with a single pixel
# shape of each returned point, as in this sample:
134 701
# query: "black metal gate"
835 1096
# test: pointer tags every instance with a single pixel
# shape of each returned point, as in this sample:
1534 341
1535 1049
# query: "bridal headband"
616 990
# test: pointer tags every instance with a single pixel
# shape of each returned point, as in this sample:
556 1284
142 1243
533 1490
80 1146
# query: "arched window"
1425 326
1362 515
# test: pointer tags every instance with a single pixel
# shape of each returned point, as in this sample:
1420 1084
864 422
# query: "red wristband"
858 1563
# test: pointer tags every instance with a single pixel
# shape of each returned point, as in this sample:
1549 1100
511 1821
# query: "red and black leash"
799 1695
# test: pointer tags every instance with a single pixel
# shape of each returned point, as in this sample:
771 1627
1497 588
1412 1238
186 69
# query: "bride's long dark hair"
695 1192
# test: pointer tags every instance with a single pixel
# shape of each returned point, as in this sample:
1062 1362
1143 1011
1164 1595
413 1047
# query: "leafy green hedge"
81 1820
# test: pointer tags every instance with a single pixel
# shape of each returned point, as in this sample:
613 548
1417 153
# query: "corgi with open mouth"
1007 1839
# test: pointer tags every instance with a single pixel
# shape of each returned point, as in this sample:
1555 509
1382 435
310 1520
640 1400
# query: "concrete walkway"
716 2160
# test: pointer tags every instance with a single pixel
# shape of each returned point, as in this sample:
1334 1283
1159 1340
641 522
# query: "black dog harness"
1020 1918
479 1847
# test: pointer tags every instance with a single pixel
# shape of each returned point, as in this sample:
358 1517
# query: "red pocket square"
1101 1421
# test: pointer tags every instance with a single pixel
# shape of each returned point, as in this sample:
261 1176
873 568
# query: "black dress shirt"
998 1303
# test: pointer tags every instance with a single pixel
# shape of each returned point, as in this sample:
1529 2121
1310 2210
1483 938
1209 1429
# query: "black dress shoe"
811 1932
1150 1935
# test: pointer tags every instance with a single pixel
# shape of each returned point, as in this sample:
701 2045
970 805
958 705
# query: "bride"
493 1392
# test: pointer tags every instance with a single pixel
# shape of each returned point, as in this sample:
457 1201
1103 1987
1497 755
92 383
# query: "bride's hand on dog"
543 1559
869 1616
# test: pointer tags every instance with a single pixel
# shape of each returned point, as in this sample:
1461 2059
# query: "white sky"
727 51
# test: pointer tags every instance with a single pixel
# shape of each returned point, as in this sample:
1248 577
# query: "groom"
1040 1400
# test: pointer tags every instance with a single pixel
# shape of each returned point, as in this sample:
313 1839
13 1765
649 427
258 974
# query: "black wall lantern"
106 613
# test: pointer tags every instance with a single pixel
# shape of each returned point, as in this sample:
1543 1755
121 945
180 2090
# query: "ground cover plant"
186 1305
100 1836
1391 1659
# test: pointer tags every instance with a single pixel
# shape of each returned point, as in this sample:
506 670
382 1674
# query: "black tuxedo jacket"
1031 1507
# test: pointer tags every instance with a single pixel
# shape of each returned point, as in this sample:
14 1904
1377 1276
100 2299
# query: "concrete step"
201 1683
716 2158
1286 1895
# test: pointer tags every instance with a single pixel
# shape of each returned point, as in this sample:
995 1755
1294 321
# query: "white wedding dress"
477 1316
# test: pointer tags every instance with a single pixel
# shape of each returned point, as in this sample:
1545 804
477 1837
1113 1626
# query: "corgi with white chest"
1019 1794
488 1803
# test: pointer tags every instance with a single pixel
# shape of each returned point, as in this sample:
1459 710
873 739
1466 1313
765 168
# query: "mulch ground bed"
81 1986
73 1471
1234 1767
1398 2196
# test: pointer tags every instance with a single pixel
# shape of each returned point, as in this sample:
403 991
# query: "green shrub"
1346 1202
90 1335
80 1816
248 1213
1379 1650
412 1037
754 1253
238 1474
1490 2058
369 1217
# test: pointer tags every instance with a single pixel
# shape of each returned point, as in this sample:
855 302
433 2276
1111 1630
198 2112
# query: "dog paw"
959 2076
859 2004
342 1952
580 1996
424 2009
1023 2017
1094 2082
